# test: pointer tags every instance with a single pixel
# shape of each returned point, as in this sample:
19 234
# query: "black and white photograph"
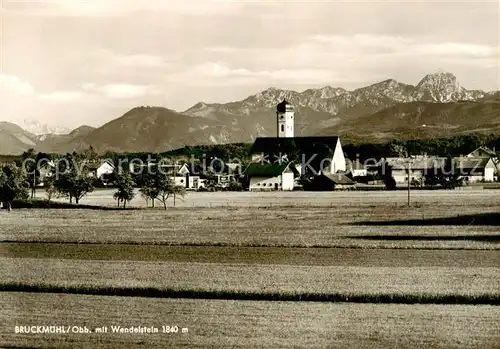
249 174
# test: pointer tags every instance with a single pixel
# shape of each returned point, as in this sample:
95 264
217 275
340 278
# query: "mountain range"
438 106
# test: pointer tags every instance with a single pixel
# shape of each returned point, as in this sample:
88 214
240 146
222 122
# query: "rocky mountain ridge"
378 112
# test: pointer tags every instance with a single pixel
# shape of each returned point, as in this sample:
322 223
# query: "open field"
458 198
224 249
335 220
271 278
247 324
320 256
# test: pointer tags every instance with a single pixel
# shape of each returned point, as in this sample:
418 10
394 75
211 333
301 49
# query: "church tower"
284 114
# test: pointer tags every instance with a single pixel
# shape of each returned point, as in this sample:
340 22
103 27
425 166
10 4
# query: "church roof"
283 145
266 170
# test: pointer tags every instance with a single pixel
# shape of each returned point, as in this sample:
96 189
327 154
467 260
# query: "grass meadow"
249 324
298 269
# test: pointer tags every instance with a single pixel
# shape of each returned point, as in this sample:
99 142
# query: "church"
277 162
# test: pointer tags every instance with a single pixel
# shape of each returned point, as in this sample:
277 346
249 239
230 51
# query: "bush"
390 183
235 186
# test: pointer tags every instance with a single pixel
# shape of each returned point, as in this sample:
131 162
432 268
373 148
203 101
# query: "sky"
74 62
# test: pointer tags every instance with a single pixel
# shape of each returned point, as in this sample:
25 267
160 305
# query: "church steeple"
284 115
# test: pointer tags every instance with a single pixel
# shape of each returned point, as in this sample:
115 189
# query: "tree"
445 176
149 194
177 190
398 150
157 184
147 182
235 186
450 178
29 164
164 186
72 178
50 189
124 185
385 172
13 184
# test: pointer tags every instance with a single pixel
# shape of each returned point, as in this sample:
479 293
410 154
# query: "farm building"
476 169
471 169
330 181
419 168
267 177
484 152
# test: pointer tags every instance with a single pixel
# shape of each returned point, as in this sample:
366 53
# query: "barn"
271 177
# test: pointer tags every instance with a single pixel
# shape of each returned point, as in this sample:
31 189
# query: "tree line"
72 177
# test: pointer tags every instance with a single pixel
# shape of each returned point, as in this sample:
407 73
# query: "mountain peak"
326 92
439 87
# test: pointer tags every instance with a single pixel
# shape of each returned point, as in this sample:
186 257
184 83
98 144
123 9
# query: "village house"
101 170
189 177
419 167
470 169
356 168
475 169
485 152
267 177
311 156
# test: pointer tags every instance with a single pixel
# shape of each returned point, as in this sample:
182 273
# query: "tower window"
282 128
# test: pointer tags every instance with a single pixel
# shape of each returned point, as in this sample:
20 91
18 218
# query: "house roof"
266 170
339 179
471 163
96 165
303 144
482 151
416 164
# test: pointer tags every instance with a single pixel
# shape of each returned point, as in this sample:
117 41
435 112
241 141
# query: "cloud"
453 49
120 91
62 96
415 46
136 60
14 84
349 61
220 73
117 8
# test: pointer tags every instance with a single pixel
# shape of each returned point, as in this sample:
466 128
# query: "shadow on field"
44 204
481 238
492 298
474 219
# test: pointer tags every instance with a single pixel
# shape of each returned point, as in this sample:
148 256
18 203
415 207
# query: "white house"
357 169
101 169
476 169
187 176
485 152
268 177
